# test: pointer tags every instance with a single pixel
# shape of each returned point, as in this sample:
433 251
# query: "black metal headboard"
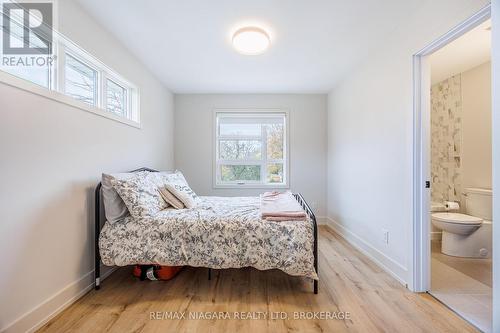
98 226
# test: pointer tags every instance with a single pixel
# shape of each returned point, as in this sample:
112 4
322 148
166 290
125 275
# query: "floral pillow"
140 193
177 185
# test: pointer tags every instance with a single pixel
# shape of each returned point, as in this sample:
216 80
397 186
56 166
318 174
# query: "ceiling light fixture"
251 41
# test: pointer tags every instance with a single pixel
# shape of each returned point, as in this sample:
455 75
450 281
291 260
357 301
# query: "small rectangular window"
240 173
66 70
240 149
34 68
229 129
39 75
250 149
116 98
80 81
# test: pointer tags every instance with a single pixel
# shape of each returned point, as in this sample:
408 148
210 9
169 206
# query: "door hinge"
427 184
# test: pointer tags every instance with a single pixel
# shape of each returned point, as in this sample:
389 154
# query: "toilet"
467 235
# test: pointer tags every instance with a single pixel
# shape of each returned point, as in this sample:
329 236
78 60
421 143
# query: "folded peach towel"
280 206
282 218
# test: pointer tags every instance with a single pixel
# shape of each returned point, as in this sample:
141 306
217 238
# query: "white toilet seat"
457 218
456 223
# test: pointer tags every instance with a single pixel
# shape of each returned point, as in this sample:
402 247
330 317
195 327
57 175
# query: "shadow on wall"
62 229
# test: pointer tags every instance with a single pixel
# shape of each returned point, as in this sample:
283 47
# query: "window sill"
251 186
28 86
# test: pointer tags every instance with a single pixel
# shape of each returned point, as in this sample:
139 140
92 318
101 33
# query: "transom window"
251 149
88 80
69 70
116 98
80 81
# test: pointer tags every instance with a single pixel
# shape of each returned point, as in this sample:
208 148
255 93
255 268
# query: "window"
80 81
67 70
116 97
86 79
39 74
251 149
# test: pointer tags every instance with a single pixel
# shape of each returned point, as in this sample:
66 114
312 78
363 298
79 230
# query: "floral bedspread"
221 232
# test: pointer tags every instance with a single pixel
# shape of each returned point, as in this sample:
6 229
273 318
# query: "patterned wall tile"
446 140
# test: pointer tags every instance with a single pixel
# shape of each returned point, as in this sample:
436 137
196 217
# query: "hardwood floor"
349 282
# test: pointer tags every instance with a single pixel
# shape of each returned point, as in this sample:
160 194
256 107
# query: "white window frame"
127 112
56 87
51 70
104 73
86 62
263 162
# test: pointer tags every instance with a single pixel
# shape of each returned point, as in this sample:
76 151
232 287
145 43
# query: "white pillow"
141 193
114 207
178 186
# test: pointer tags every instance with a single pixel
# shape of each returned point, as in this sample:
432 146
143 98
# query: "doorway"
452 256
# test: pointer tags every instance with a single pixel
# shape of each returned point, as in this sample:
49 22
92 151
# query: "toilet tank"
478 202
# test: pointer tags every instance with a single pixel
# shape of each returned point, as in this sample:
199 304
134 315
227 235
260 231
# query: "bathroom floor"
464 285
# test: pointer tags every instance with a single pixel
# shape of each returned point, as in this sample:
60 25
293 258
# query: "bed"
221 232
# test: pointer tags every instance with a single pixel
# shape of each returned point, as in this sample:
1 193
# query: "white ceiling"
464 53
186 43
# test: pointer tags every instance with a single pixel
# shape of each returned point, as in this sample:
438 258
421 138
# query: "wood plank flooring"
349 282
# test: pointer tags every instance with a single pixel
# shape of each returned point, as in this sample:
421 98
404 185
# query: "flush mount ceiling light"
251 41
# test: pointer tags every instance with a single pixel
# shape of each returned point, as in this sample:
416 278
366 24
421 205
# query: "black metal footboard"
309 212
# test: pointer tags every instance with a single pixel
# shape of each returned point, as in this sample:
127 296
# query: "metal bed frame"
99 218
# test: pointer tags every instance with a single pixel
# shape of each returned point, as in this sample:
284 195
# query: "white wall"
52 158
476 127
496 161
194 141
370 139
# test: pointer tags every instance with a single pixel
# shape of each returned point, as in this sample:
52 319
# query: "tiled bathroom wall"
446 140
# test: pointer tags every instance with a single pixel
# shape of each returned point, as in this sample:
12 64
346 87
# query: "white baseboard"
321 220
395 269
42 313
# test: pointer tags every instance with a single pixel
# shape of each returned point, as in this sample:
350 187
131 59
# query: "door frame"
420 275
